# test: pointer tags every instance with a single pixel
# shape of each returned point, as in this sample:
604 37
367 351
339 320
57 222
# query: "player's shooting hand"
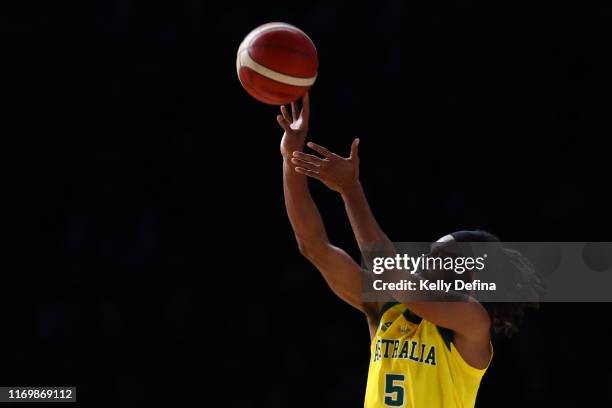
338 173
294 125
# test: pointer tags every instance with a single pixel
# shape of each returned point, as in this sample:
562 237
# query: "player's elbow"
479 325
310 249
305 248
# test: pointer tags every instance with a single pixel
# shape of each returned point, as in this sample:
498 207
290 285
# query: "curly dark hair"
506 317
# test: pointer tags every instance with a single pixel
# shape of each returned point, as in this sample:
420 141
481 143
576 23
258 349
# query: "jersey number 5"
394 390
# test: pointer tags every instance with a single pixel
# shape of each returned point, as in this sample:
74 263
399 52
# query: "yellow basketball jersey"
414 364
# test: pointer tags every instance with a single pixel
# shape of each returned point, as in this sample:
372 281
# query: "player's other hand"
338 173
295 126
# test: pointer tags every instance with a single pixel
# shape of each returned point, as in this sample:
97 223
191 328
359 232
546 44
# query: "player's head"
517 269
456 245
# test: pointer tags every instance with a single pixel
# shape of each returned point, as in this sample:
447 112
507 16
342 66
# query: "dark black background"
147 256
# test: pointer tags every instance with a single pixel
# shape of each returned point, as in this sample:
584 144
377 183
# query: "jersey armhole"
384 309
408 315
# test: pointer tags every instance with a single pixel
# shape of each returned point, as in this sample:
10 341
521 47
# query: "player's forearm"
365 227
448 309
303 214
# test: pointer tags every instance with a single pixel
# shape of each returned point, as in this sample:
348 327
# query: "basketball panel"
267 90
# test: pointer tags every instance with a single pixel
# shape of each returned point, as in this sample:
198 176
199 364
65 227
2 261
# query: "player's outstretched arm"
341 174
340 271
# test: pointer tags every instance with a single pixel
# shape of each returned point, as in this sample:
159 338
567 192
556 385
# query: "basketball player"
424 354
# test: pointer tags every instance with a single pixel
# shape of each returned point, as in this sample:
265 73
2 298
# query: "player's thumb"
283 123
355 149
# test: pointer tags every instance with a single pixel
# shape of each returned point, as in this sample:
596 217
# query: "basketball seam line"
246 61
283 48
253 89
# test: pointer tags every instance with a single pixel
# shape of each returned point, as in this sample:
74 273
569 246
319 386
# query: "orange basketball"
277 63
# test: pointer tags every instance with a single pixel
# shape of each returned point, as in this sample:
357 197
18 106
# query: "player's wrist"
287 151
352 190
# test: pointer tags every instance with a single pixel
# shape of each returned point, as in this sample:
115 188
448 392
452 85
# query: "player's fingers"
294 111
304 164
306 106
285 113
308 157
321 150
355 149
283 123
308 173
